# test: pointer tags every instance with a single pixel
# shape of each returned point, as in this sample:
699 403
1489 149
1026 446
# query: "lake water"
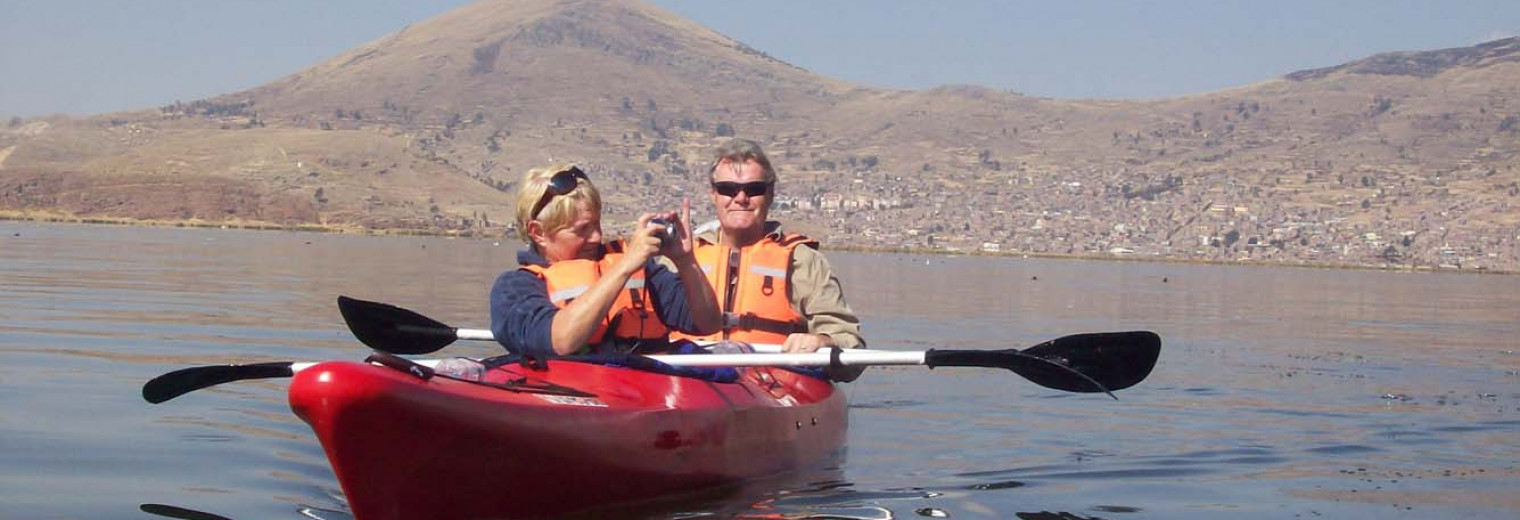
1280 392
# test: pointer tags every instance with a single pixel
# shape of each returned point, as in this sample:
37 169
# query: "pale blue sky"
94 56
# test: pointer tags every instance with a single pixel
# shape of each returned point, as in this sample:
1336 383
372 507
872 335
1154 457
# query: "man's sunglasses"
732 189
561 183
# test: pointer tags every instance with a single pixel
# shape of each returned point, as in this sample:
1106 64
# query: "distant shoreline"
354 230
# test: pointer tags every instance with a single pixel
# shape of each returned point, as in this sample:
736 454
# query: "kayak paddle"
1094 362
186 380
388 328
1098 362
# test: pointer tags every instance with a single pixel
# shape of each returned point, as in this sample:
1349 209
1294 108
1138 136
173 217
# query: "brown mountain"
1405 159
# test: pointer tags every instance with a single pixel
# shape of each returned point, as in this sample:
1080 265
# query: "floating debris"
1007 484
1117 509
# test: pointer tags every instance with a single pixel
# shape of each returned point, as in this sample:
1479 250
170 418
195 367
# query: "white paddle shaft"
849 357
811 359
764 348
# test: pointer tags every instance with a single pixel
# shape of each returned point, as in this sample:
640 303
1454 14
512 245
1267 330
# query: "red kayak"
565 438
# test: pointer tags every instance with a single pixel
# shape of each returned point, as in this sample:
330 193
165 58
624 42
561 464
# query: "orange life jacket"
751 284
631 316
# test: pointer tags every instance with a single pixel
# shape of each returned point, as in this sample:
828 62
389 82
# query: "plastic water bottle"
460 368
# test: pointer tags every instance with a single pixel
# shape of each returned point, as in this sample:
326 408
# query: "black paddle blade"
186 380
1117 360
388 328
1098 362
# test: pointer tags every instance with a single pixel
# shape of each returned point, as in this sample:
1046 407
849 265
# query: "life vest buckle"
636 300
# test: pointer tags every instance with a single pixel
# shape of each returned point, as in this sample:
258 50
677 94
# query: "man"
773 287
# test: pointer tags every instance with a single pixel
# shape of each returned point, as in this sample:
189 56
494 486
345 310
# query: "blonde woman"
573 293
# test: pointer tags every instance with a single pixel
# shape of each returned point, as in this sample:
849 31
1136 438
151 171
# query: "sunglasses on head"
561 183
732 189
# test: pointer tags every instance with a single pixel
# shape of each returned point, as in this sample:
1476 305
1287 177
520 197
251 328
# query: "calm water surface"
1281 393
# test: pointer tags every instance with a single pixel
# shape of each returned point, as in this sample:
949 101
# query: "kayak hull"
569 438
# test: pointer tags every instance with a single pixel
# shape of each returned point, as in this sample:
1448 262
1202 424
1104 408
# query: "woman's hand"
643 244
680 245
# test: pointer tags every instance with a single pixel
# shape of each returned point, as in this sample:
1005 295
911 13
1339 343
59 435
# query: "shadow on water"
817 492
1207 462
1047 515
181 513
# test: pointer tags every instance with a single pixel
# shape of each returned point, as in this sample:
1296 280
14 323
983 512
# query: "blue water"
1280 393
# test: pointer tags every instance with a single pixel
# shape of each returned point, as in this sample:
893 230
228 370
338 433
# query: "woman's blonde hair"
559 210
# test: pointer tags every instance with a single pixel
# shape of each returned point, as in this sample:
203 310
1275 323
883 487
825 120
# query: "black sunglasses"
561 183
732 189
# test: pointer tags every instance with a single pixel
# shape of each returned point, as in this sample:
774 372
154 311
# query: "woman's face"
581 240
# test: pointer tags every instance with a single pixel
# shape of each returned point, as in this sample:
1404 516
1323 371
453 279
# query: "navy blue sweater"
522 315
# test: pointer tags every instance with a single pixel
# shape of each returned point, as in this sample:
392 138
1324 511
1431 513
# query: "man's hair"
736 152
559 211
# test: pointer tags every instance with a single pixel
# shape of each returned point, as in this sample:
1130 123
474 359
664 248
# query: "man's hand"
801 343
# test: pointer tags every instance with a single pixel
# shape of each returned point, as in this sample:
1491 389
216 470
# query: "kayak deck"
569 438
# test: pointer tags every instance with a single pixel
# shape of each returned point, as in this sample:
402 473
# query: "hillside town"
1242 217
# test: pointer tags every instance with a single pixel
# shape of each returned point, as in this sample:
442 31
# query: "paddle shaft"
388 328
848 357
486 335
810 359
186 380
475 334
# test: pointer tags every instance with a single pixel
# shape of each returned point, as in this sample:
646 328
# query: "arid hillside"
1404 159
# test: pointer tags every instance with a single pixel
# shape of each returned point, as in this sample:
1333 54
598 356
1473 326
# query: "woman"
575 294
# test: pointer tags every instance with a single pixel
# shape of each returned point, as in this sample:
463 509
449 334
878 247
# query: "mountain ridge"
1423 64
428 128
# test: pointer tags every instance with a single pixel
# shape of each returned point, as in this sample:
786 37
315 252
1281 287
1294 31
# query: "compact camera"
667 230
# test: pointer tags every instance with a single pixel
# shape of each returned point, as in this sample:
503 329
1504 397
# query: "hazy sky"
93 56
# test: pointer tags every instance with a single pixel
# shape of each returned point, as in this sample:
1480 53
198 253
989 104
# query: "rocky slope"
1402 159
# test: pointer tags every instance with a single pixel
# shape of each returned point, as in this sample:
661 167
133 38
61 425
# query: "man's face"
740 212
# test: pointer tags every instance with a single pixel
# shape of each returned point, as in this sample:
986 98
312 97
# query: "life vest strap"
750 321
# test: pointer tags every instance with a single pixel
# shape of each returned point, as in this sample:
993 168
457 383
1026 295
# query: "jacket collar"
528 256
708 233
